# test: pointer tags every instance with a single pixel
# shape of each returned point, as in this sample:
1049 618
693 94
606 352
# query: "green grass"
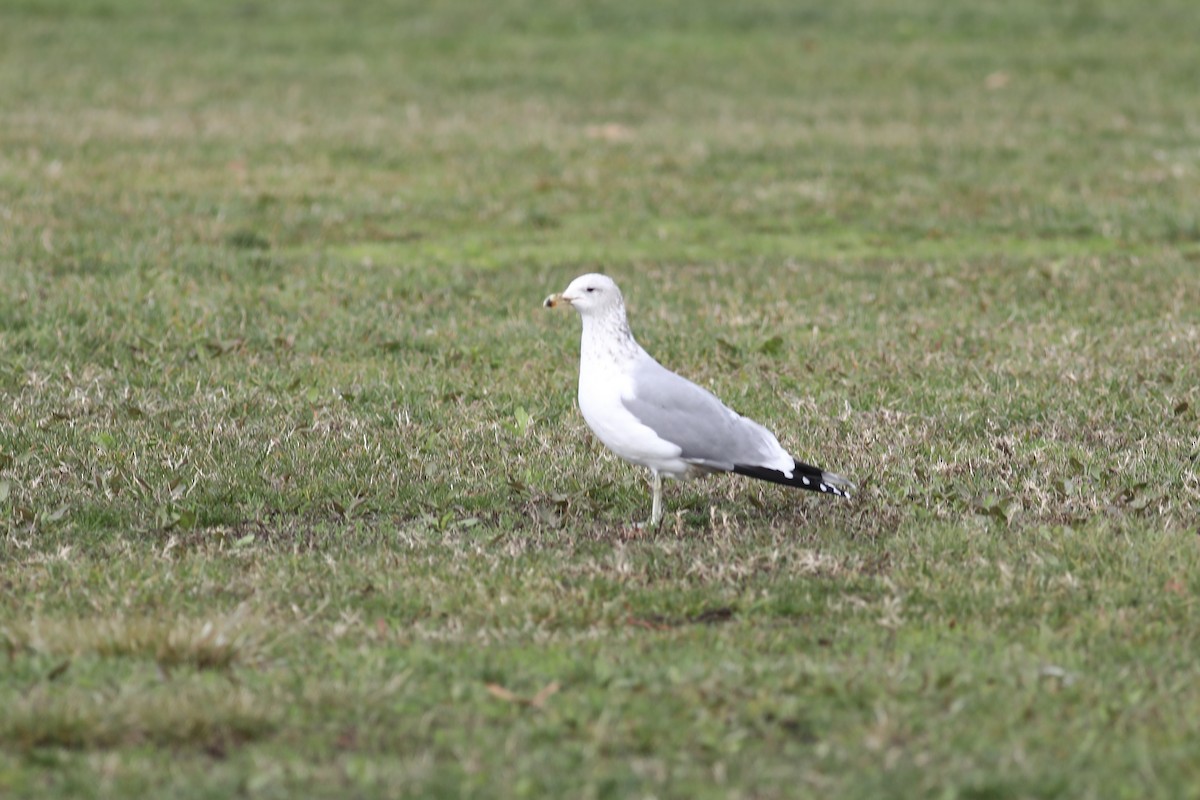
295 501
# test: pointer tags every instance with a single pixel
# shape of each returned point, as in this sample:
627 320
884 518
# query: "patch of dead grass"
206 716
216 643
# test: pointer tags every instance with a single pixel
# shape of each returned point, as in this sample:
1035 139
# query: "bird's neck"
607 338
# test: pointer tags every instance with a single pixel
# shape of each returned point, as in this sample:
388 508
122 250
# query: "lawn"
295 499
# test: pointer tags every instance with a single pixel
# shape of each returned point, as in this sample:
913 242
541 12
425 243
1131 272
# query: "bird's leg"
656 507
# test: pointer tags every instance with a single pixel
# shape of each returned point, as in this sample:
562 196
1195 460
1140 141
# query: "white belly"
600 392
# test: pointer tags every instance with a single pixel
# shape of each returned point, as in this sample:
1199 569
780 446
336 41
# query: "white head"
591 295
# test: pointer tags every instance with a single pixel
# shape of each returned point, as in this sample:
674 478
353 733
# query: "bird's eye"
590 289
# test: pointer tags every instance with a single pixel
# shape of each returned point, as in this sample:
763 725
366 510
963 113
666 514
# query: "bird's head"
588 294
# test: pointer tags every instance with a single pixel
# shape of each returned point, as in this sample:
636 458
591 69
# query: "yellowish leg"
656 508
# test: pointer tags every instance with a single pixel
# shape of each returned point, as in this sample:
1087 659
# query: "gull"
651 417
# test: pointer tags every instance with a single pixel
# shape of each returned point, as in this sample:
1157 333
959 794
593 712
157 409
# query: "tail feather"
804 476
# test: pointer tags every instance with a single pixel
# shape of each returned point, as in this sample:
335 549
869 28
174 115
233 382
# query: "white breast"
601 386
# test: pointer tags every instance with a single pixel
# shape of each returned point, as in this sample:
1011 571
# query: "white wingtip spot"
824 488
807 482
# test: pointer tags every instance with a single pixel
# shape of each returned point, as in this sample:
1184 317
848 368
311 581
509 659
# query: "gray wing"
709 433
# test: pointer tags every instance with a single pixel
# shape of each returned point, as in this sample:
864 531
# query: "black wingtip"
804 476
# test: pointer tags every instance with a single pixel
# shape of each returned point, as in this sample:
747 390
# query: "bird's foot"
634 530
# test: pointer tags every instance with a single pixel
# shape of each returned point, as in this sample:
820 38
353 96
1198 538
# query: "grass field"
295 499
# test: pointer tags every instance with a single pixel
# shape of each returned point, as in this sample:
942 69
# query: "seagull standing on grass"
652 417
